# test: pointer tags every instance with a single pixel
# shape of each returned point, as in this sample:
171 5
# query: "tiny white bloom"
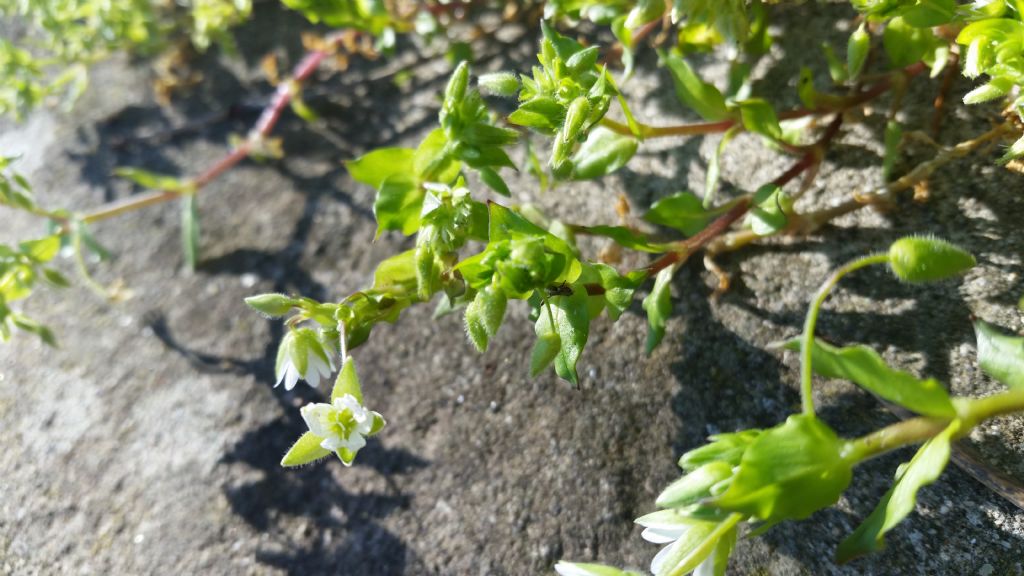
303 346
345 423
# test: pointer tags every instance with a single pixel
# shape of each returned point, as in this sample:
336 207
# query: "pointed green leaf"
378 424
398 205
767 216
1000 356
377 166
347 382
42 250
307 449
693 92
682 211
658 305
572 325
864 367
494 181
152 180
603 152
789 472
759 117
925 468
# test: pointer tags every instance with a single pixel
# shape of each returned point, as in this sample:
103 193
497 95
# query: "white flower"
302 355
343 424
670 527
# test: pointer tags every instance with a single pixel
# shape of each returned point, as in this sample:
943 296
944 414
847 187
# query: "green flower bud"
576 118
857 49
456 89
926 259
583 60
484 315
271 305
504 84
694 486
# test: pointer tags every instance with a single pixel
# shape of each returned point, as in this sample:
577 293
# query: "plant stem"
971 411
700 128
268 119
807 339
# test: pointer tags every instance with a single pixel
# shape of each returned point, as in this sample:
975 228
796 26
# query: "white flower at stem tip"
344 425
302 355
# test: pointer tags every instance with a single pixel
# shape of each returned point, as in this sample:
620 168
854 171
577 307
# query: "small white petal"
332 443
316 417
313 378
661 535
354 442
291 376
660 559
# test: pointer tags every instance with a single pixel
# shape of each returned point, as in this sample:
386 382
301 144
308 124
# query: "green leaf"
494 181
347 382
1000 356
271 305
930 13
42 250
572 324
564 47
190 230
603 152
377 166
645 11
925 468
506 224
789 472
378 424
682 211
864 367
484 315
307 449
398 205
55 278
432 162
767 216
618 290
693 92
658 305
713 173
905 44
547 346
625 237
397 271
29 325
759 117
893 138
153 181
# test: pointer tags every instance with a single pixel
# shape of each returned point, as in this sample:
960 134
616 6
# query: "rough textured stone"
149 442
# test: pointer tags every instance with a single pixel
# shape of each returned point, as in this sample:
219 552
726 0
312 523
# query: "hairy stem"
807 339
971 411
895 78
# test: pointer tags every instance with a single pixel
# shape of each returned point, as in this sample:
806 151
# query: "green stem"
971 411
807 340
